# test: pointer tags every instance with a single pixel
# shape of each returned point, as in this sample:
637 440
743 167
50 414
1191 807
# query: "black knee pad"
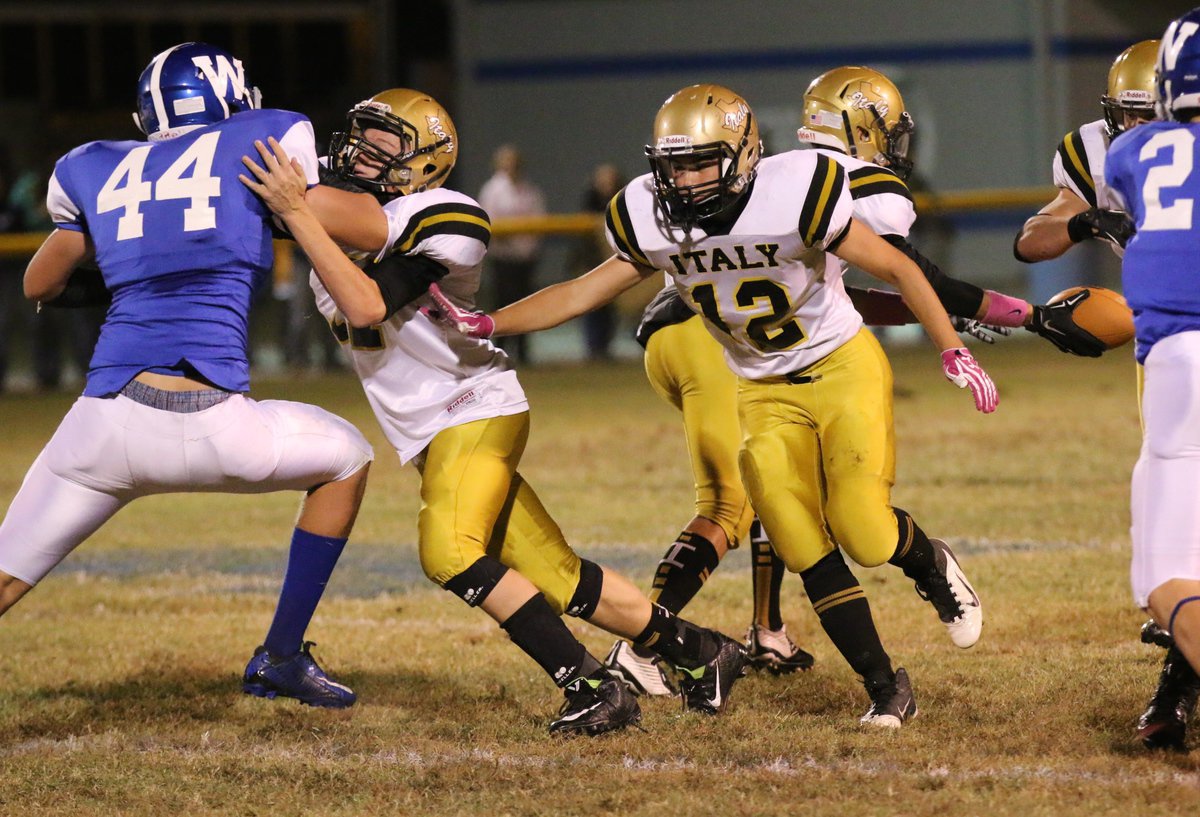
476 583
587 593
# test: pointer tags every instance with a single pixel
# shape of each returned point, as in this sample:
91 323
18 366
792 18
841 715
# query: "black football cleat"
706 688
892 702
595 706
1164 723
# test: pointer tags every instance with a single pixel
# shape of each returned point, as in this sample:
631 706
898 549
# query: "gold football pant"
473 502
819 459
687 368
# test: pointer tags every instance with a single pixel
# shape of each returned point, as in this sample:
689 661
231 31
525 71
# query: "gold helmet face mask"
428 144
1129 98
860 112
703 128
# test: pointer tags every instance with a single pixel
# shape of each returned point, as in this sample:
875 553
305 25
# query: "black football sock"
841 604
914 553
767 577
677 640
683 570
537 630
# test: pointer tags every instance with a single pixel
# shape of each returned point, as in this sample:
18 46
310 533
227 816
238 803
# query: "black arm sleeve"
404 278
85 287
957 297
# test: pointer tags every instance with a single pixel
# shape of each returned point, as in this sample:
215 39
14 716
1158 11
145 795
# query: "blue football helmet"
189 86
1177 74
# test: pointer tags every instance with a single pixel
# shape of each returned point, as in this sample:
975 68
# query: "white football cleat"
952 595
644 675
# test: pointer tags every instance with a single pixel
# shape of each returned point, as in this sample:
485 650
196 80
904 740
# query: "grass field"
119 691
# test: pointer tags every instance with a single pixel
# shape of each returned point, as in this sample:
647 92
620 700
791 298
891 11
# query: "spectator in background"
12 269
512 259
589 251
79 327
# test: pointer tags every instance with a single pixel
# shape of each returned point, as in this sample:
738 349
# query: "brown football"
1103 313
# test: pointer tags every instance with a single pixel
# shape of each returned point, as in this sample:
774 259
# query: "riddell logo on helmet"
673 142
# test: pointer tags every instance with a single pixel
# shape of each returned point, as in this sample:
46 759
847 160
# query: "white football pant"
107 452
1166 479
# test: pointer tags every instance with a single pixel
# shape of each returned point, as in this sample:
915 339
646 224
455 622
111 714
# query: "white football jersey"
1079 167
421 377
767 291
881 200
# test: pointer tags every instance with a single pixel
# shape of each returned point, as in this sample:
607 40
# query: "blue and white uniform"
182 245
1155 169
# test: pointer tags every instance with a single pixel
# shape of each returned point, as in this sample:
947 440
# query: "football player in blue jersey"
1151 169
180 245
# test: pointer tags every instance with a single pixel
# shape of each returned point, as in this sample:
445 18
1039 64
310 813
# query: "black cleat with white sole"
892 702
595 706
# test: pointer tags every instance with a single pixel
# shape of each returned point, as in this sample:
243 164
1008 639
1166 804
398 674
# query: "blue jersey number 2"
1177 216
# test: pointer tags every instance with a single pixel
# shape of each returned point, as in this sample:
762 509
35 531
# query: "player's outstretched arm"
282 185
875 256
546 308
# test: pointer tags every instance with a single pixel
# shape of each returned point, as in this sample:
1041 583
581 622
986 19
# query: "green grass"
119 692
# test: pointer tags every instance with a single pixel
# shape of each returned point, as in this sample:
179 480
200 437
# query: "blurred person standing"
80 328
11 271
592 249
513 259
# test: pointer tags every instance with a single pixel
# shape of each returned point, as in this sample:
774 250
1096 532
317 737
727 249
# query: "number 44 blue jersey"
1155 168
181 244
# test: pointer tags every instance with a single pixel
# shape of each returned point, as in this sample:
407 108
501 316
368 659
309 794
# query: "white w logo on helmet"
1173 41
228 71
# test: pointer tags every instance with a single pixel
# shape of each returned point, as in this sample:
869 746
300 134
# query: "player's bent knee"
587 593
476 583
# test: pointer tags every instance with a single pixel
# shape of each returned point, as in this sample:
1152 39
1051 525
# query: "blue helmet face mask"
1177 73
189 86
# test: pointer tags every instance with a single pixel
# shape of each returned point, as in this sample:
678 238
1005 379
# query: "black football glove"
985 332
1097 223
1055 322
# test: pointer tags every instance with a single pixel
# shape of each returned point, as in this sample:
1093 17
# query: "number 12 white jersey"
767 291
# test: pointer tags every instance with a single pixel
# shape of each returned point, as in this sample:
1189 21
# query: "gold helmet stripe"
443 219
828 178
1075 161
621 227
821 606
872 181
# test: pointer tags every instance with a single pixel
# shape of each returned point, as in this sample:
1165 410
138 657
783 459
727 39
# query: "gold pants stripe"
686 366
473 502
818 459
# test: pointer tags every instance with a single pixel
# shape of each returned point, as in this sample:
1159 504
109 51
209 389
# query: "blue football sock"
310 563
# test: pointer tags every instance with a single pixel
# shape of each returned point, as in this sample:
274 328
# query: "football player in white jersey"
452 405
1085 208
754 247
856 115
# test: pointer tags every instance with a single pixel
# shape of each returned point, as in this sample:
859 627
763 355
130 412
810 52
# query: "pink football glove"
466 322
963 371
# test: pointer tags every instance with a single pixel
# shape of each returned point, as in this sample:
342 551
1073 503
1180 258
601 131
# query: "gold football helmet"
705 152
859 111
1129 97
427 144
